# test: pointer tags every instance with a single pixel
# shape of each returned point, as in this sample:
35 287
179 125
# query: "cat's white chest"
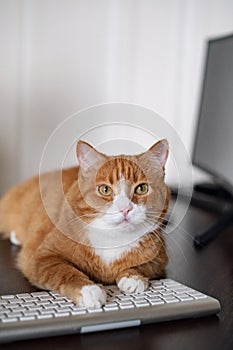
110 244
109 255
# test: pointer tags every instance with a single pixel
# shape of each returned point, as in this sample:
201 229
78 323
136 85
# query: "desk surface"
208 270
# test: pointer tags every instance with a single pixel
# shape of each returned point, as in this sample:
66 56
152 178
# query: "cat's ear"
160 151
87 156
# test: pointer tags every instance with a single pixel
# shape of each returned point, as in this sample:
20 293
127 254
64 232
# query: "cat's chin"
124 223
126 226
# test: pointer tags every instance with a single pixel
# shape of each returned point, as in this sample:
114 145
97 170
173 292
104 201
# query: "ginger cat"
97 223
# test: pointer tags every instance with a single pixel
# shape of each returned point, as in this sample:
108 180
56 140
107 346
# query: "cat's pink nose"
126 210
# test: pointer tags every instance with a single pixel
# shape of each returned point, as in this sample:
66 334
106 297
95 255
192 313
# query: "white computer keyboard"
164 300
44 305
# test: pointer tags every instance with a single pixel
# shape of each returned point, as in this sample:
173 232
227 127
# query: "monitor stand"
210 196
218 193
213 189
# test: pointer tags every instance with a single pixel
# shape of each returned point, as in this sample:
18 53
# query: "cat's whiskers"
160 226
155 219
94 215
78 219
175 224
159 238
179 247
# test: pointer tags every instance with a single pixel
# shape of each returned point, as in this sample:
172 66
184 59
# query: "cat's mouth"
124 222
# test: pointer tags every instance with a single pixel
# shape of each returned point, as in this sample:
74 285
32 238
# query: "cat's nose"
126 209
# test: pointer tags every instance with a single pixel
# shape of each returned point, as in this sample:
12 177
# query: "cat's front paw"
133 284
92 296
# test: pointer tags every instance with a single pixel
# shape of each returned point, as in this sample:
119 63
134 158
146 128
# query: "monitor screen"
213 145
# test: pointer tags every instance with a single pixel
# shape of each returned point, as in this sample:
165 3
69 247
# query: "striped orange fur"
63 234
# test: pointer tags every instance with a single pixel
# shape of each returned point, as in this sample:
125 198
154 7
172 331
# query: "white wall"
9 92
59 56
203 20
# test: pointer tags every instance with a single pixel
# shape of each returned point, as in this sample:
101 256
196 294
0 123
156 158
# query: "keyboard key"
158 288
109 304
110 308
49 307
17 308
125 303
15 314
156 302
46 298
142 304
169 301
62 314
199 296
170 283
14 301
184 298
180 289
124 297
166 280
41 317
156 283
139 298
94 310
7 297
47 312
65 304
31 313
126 306
58 300
8 320
78 312
61 309
40 294
23 295
27 318
27 303
34 307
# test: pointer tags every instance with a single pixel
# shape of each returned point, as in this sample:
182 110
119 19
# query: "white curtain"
60 56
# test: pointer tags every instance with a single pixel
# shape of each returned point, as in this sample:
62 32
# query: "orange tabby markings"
108 236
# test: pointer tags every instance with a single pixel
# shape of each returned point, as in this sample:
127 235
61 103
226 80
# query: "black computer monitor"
213 144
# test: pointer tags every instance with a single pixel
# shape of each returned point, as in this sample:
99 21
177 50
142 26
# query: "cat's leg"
53 272
135 280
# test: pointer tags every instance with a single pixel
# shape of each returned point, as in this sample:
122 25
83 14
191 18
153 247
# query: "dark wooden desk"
209 270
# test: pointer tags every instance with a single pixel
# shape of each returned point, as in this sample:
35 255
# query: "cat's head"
124 193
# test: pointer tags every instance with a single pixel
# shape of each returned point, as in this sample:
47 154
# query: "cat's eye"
105 190
142 189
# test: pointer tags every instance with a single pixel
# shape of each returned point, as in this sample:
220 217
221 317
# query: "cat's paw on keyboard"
133 284
92 296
